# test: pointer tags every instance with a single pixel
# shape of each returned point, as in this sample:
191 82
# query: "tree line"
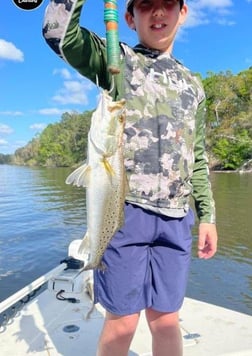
228 129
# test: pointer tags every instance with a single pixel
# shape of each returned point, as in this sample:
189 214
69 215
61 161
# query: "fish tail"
80 176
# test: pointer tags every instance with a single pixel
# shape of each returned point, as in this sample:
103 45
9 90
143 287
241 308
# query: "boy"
147 261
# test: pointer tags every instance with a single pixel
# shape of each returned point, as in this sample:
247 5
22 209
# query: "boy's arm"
82 49
202 192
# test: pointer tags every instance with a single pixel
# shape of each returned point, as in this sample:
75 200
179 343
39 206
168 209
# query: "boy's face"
156 22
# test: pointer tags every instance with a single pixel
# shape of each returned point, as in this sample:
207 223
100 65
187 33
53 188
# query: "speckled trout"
104 177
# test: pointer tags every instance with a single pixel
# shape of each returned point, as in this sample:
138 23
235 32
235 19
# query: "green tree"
228 134
229 120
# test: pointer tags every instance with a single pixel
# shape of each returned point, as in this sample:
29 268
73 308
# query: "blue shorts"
147 263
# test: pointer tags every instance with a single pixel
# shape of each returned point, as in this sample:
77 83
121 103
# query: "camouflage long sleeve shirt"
164 146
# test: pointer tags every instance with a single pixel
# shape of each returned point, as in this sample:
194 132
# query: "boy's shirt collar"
149 52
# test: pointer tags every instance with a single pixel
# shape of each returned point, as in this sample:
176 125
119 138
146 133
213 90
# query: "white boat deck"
49 327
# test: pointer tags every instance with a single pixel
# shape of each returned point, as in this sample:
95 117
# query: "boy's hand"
207 242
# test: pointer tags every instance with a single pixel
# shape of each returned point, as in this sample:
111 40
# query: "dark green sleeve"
82 49
202 192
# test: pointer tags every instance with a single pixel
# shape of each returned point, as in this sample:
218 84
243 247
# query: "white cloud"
3 142
225 22
73 92
10 52
51 111
38 126
196 17
75 88
5 129
10 147
212 3
54 111
65 73
11 113
203 12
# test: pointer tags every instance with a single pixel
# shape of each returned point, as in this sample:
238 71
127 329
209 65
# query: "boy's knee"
122 327
162 323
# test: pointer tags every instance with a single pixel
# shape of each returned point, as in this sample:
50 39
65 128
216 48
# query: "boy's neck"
150 52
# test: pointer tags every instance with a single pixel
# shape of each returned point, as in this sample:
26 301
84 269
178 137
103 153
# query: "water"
40 215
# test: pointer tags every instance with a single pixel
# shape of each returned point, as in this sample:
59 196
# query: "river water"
40 215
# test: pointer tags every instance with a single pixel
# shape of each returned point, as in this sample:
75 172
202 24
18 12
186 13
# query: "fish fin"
89 288
102 266
84 247
126 185
79 177
90 311
121 219
108 168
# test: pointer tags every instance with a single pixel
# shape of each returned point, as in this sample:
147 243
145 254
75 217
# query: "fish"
104 177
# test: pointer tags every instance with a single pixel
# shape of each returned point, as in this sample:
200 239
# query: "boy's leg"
166 334
171 254
117 334
121 287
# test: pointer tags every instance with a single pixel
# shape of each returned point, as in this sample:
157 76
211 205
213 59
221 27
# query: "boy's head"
130 3
156 21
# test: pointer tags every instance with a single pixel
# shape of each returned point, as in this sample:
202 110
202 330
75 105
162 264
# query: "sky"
37 87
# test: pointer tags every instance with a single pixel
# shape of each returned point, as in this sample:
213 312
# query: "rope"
111 22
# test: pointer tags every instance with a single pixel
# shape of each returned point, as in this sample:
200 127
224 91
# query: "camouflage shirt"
164 147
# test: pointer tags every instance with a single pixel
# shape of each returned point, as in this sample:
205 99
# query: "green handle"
111 22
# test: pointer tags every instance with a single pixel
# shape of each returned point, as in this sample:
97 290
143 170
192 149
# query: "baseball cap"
129 2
